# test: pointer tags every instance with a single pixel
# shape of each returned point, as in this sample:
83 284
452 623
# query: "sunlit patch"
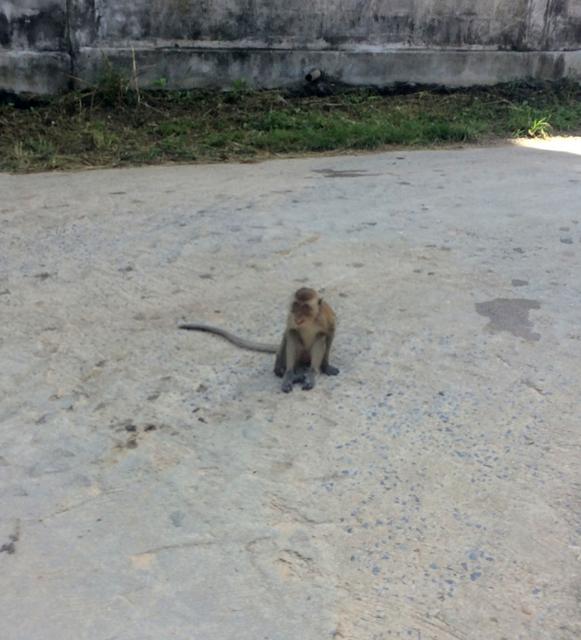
142 561
562 144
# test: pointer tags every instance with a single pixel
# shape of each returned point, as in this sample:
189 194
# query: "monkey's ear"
320 301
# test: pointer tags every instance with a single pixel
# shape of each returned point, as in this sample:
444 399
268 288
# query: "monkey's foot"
288 381
330 370
309 382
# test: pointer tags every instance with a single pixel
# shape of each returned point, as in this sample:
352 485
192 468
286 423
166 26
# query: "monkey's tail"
239 342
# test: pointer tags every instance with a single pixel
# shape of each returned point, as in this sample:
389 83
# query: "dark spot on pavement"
42 276
344 173
10 547
177 518
518 250
511 315
519 283
566 240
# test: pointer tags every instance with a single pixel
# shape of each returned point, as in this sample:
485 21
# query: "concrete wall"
188 43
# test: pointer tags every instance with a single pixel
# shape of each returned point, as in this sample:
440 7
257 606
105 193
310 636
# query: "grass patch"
113 125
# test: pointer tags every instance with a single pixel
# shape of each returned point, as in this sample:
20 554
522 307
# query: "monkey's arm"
239 342
280 361
291 348
327 368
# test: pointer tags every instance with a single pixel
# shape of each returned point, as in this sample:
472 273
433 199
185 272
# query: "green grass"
113 125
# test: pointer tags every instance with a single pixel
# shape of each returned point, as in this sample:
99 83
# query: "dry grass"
111 125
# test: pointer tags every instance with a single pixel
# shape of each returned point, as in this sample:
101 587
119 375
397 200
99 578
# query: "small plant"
539 128
98 138
115 89
240 89
160 83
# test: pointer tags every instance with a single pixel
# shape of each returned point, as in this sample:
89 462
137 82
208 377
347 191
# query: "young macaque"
306 342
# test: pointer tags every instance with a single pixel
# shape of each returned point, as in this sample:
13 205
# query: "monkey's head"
305 305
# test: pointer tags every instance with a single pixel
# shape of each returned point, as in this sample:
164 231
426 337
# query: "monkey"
306 342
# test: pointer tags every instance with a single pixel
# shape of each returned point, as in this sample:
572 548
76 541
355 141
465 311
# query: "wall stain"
43 29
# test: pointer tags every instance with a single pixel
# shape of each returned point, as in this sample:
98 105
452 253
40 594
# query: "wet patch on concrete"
511 315
177 518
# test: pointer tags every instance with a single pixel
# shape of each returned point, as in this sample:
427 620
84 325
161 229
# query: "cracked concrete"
157 484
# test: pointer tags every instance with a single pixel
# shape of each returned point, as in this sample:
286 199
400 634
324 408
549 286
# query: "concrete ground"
156 484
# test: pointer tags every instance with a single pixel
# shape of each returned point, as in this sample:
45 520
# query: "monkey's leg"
327 368
317 355
280 362
291 358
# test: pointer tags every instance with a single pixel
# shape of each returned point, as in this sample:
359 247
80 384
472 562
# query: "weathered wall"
272 42
504 24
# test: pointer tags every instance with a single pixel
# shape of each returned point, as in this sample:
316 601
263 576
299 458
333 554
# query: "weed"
239 90
539 128
160 83
114 88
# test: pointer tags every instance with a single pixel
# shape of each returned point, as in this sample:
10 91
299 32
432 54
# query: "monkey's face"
307 310
305 305
302 311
